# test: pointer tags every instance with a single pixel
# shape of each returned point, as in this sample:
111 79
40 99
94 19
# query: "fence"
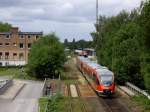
137 90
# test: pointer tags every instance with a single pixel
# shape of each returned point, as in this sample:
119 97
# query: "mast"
97 11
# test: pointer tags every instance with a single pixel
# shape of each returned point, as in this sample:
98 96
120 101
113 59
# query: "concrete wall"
12 63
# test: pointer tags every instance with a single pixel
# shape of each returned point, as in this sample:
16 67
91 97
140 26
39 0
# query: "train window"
106 79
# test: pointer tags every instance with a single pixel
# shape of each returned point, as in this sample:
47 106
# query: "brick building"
15 46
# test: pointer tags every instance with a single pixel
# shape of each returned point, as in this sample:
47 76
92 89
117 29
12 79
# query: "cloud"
75 16
63 30
62 10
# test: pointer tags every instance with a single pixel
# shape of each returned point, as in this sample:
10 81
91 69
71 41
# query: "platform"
127 91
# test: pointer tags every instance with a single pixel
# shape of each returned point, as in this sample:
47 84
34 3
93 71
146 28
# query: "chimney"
14 30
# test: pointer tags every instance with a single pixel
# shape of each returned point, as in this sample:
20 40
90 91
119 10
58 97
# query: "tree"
80 44
73 44
127 54
66 42
118 46
46 57
4 27
145 24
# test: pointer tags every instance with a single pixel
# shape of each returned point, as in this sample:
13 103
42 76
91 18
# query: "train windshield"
106 80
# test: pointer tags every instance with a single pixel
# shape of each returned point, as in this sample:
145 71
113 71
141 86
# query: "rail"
44 88
137 90
70 107
83 106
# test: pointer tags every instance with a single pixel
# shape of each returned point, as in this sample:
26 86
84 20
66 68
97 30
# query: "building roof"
22 33
31 33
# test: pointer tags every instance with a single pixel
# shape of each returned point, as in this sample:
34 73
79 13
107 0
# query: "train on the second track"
100 77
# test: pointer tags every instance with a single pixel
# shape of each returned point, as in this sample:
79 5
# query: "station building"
15 46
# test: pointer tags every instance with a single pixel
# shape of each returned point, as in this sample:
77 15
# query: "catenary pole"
97 11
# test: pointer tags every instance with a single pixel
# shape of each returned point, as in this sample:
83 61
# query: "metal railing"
48 91
137 90
7 84
44 87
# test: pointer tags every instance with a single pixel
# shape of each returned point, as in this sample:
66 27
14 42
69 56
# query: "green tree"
73 44
4 27
145 24
118 46
46 57
127 53
66 42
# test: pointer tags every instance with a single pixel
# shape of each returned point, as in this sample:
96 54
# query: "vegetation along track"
112 103
81 100
76 104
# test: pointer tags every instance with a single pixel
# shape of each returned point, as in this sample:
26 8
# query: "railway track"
70 108
113 105
83 106
110 104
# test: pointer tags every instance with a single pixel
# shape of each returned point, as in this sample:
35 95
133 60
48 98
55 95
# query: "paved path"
25 101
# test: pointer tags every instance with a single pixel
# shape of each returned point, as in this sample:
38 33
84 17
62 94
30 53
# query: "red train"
101 79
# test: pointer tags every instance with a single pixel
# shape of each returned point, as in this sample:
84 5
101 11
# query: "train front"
106 79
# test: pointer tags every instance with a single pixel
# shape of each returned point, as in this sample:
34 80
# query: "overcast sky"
68 18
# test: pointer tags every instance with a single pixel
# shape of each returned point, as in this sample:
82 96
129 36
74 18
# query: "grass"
67 78
70 73
42 103
59 103
55 104
143 102
15 73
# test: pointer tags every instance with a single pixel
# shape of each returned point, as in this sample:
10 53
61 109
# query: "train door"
81 67
95 81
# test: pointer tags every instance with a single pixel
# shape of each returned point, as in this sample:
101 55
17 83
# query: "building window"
29 36
21 56
1 44
21 45
14 44
21 36
37 36
7 44
14 55
6 55
1 55
29 45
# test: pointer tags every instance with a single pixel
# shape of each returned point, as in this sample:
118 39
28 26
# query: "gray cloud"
55 14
